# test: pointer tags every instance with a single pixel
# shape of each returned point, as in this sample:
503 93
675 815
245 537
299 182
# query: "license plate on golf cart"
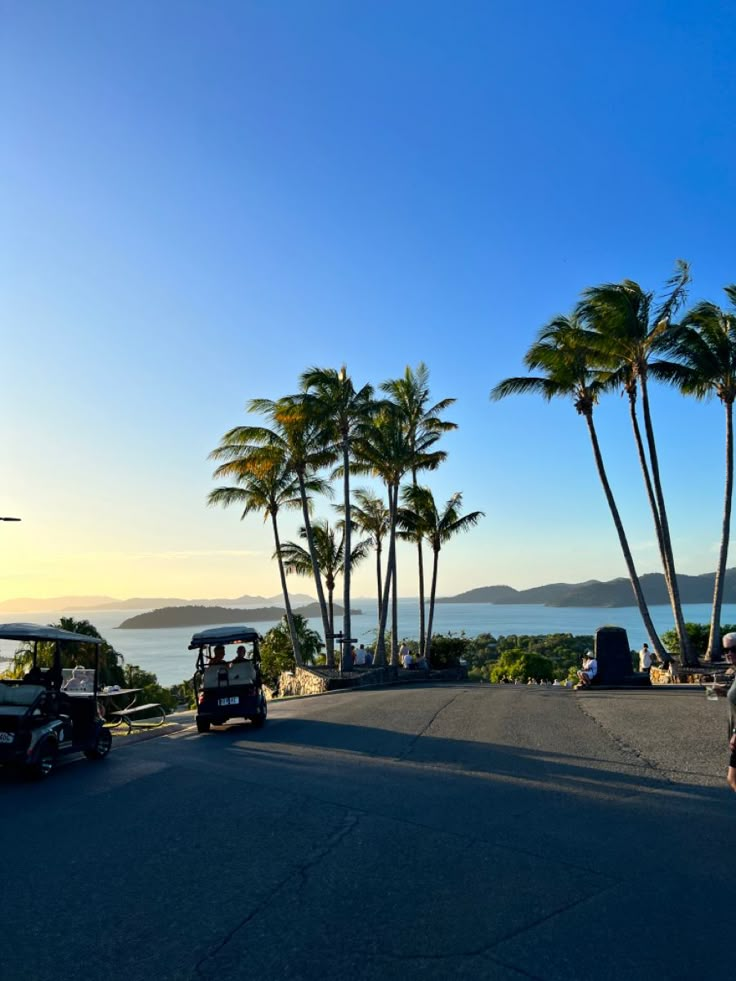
228 701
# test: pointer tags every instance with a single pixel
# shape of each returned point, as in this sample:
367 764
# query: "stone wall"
316 681
302 681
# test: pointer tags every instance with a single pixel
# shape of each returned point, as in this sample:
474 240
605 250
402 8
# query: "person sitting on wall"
588 671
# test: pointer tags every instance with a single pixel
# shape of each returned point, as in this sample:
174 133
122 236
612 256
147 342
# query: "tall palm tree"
370 515
383 450
267 486
298 438
339 409
411 394
629 327
704 348
563 352
329 546
421 516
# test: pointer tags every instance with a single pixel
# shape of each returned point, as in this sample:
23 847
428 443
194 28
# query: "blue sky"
199 201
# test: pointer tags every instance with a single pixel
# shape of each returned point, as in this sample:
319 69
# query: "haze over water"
164 651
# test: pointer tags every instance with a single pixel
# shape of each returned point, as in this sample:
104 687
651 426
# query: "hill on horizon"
612 593
71 604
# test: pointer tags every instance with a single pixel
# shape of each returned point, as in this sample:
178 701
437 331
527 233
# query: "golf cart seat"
242 673
215 675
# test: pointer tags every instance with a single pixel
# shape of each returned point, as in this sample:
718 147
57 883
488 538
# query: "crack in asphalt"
626 748
402 756
350 821
488 951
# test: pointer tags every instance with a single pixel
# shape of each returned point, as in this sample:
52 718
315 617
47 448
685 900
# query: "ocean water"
164 651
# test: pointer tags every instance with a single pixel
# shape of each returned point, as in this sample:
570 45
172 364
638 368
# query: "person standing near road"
645 659
729 652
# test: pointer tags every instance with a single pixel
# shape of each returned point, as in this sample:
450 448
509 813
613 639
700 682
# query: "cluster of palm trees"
618 337
332 430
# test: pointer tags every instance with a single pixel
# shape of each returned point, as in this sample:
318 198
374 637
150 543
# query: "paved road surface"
433 832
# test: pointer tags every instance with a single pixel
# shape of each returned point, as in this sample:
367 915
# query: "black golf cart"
39 719
232 687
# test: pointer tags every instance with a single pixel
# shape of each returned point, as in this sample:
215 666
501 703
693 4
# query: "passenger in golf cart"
228 687
39 720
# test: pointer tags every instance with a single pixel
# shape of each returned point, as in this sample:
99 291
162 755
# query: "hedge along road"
429 832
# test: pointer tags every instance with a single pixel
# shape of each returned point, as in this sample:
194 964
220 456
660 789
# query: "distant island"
613 593
204 616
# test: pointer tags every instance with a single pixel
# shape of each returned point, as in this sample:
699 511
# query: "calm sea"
165 651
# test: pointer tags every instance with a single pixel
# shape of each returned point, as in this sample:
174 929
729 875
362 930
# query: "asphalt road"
431 832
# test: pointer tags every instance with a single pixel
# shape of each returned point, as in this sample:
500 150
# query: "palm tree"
424 426
629 327
329 548
261 485
421 516
383 450
339 409
704 347
298 438
370 515
563 352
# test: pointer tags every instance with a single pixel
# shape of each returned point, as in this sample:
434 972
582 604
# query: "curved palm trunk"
685 650
329 643
346 662
285 590
653 506
714 640
432 593
636 585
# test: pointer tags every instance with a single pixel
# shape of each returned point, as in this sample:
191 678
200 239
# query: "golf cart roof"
39 631
233 634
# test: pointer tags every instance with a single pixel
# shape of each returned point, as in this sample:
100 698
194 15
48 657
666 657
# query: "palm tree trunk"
688 658
432 593
346 662
285 590
394 616
422 626
379 579
672 593
714 640
383 612
329 642
420 568
635 584
331 608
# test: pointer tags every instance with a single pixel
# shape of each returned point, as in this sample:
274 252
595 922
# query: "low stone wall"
315 681
302 681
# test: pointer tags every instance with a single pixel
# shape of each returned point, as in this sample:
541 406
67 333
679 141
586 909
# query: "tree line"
329 431
618 337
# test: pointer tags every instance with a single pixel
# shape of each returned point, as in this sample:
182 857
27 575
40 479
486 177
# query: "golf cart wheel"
102 746
46 760
259 720
203 725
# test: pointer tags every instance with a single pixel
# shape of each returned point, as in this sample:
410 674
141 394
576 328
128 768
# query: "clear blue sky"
198 201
